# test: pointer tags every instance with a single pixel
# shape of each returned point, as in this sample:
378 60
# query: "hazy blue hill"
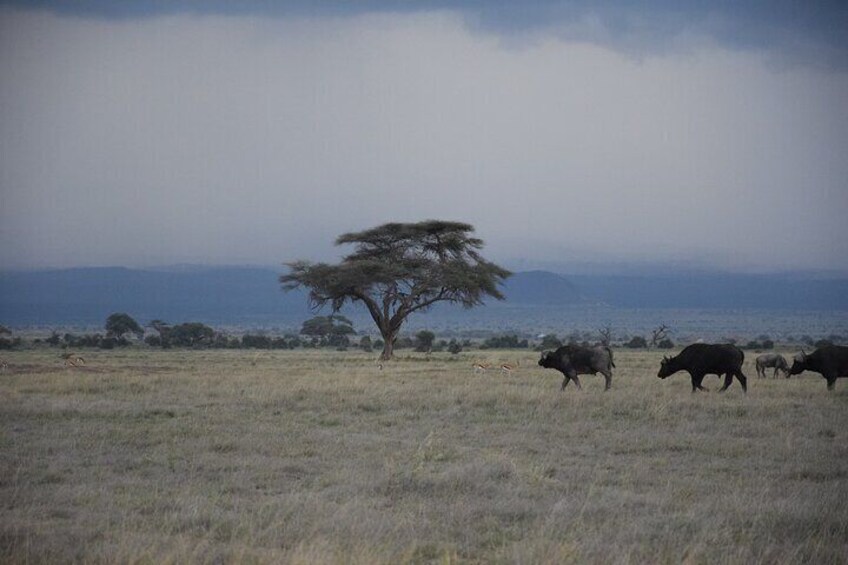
716 290
252 296
541 288
87 296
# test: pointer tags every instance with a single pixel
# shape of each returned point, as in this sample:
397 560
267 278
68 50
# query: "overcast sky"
136 134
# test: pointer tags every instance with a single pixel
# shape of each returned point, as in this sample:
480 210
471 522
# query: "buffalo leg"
743 380
576 382
608 378
761 371
728 380
565 380
831 381
696 383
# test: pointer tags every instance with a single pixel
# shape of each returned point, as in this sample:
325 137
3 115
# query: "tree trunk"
388 344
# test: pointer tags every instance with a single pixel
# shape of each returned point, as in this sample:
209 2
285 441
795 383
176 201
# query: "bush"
13 343
191 334
280 343
250 341
454 347
338 341
637 342
666 344
403 343
504 342
550 341
424 341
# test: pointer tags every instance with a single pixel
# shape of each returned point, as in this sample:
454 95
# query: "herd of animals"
699 360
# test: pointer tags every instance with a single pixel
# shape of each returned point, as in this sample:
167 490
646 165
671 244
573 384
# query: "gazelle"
3 365
508 368
481 367
73 360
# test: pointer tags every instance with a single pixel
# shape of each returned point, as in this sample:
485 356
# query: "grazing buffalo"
573 360
771 360
701 359
831 361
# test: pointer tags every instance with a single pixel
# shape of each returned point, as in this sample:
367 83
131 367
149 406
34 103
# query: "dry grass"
308 457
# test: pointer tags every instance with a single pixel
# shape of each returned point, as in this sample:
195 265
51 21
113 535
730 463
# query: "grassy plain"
310 457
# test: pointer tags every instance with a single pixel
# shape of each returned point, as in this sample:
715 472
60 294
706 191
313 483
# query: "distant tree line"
336 331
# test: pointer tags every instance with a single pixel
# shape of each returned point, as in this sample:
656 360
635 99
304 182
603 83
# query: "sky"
568 133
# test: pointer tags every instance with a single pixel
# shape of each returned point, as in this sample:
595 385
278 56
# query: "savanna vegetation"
309 455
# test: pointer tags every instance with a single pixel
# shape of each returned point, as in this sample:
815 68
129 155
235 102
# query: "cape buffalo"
701 359
831 361
573 360
771 360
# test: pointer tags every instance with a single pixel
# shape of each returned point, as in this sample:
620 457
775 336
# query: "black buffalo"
573 360
701 359
831 361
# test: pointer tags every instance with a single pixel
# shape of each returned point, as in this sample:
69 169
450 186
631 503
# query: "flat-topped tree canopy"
397 269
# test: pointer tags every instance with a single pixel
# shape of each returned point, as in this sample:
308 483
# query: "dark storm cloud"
163 134
795 32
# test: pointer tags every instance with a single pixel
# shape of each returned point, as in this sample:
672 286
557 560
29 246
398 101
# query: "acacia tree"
119 324
658 335
398 269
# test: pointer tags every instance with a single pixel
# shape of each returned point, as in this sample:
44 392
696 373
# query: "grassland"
307 457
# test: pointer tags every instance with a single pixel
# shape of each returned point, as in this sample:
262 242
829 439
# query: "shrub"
637 342
550 341
6 343
403 343
256 341
504 342
666 344
191 334
424 341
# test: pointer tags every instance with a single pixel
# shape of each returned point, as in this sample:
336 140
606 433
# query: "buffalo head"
547 360
665 367
799 364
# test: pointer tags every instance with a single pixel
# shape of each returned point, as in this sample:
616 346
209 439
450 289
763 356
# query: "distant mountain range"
247 296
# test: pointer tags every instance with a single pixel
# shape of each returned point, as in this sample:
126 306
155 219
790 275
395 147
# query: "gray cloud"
789 31
243 139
